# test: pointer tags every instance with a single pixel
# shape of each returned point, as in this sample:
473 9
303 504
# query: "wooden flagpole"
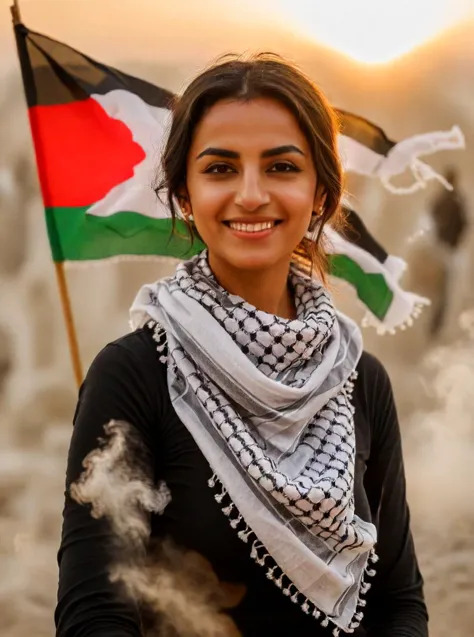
61 276
69 320
15 11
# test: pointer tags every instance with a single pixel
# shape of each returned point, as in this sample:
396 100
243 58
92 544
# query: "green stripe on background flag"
77 236
372 289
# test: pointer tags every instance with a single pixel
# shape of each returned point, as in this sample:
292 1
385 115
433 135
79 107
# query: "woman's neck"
267 290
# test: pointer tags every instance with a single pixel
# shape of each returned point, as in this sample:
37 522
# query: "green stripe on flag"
77 236
371 287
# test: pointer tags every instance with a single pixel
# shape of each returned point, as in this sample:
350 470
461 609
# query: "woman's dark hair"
264 75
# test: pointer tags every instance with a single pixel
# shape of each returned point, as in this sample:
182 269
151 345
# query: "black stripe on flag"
365 132
357 233
55 73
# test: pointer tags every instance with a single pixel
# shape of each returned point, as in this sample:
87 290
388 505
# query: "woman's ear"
184 202
319 200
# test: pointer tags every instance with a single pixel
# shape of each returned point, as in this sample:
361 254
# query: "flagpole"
69 320
15 11
59 267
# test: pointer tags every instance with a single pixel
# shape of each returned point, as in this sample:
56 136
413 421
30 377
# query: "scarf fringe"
348 388
159 336
274 573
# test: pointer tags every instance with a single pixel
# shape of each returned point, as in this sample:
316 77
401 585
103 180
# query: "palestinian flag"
357 258
366 149
97 135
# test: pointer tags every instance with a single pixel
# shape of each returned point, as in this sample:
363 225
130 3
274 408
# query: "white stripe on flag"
148 125
406 154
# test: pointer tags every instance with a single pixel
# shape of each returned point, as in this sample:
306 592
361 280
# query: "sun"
370 31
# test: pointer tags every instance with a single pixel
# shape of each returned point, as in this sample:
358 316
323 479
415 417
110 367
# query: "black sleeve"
89 605
395 603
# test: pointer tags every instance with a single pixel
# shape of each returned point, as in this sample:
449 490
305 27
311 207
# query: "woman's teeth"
252 227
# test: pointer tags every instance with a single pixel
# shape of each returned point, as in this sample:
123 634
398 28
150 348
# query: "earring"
186 215
188 220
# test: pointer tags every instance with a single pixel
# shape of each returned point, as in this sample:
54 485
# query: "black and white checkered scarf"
268 401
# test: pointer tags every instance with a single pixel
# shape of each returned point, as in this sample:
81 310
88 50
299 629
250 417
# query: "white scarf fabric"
267 401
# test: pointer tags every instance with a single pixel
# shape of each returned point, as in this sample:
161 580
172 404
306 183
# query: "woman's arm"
116 387
395 603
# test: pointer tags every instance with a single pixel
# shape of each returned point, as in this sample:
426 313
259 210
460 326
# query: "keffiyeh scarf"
268 401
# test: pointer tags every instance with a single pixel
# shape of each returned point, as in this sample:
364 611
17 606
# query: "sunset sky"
368 31
372 31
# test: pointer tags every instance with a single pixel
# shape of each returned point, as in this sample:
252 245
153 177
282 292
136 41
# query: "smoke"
178 589
439 456
117 484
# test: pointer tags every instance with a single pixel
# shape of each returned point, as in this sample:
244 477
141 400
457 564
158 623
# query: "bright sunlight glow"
370 31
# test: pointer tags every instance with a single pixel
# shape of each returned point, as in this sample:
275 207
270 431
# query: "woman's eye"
219 169
284 167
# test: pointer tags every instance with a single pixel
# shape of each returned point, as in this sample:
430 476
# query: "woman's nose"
252 193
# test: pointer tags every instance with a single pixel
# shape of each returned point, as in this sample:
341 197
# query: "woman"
250 392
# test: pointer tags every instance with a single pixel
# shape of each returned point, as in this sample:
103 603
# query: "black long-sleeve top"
127 382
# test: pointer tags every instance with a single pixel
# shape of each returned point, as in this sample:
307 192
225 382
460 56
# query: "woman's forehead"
249 123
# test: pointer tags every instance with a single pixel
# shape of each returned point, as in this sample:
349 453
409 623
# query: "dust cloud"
178 588
439 457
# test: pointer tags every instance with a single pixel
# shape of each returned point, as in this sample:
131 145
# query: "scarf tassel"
159 336
349 389
274 573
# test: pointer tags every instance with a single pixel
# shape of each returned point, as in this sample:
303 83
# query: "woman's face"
251 184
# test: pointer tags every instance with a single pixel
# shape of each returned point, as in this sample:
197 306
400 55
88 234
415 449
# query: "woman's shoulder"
373 388
127 380
133 354
138 342
370 369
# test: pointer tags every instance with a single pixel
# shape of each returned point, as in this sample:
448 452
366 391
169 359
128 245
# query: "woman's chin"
254 262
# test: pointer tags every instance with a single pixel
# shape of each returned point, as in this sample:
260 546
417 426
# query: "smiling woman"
252 161
249 394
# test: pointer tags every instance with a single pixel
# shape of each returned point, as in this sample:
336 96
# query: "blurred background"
407 66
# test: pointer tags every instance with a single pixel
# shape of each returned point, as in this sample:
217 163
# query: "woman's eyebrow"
232 154
219 152
282 150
